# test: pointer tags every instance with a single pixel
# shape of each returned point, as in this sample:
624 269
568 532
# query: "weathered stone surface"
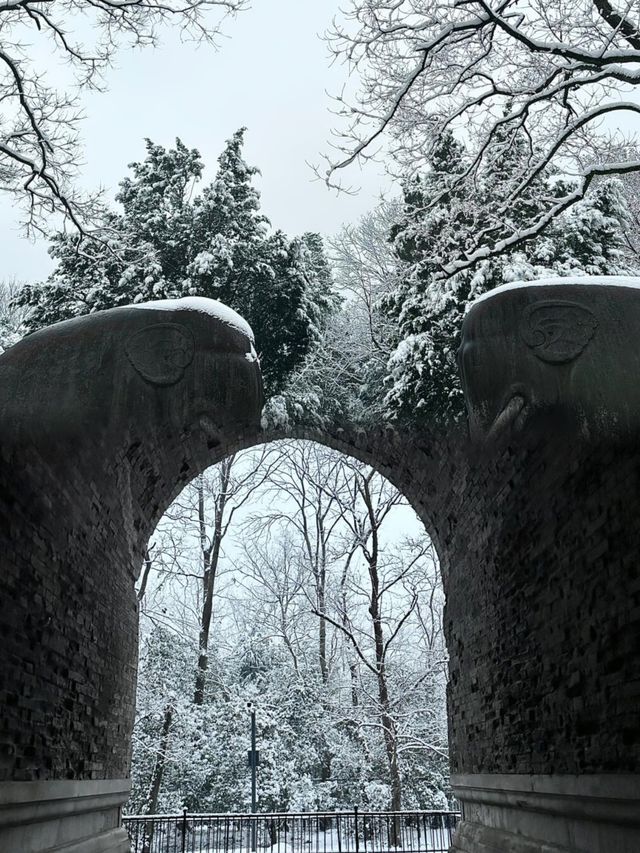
512 813
69 816
104 420
565 350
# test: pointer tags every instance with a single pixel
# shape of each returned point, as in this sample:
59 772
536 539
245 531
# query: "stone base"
548 814
475 838
63 816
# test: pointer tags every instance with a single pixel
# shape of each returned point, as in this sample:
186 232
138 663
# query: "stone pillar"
102 421
543 595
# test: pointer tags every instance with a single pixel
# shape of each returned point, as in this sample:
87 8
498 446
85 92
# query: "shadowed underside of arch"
105 419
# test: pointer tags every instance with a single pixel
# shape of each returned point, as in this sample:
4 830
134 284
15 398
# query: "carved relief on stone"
557 332
160 353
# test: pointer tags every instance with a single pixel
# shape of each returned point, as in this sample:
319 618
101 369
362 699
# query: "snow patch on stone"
203 305
589 280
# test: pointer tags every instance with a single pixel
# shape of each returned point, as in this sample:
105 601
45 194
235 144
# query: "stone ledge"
597 797
548 814
63 816
52 789
475 838
624 786
114 841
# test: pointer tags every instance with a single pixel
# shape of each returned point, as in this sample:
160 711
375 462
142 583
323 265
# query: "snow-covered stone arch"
105 419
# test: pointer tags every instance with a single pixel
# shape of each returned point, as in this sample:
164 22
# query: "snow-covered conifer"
165 243
428 307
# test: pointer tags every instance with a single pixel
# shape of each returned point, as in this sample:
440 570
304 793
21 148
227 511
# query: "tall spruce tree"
165 244
427 307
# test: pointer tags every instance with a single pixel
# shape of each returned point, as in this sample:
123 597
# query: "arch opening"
296 577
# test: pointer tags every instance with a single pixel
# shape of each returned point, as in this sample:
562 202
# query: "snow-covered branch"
492 72
39 140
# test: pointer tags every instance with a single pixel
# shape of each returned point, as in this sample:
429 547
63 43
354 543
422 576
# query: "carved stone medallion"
160 353
557 332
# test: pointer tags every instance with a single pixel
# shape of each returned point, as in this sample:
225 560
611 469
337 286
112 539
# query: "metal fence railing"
288 832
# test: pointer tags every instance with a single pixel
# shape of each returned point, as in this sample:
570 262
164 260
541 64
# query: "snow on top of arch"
590 280
203 305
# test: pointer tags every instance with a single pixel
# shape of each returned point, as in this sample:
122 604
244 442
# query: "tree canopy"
166 242
39 136
544 75
393 347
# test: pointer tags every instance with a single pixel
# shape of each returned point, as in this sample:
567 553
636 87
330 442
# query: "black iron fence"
287 832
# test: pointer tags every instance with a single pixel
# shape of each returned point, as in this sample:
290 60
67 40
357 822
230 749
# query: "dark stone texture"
566 350
104 421
543 612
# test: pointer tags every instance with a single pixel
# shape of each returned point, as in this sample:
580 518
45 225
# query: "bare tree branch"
490 71
39 140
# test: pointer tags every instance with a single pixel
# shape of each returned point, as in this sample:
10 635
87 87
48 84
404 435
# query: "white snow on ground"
590 280
204 306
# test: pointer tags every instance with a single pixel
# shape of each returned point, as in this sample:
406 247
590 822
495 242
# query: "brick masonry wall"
92 450
68 635
538 540
543 613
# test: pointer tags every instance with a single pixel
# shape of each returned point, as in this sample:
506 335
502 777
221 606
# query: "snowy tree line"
549 76
168 241
362 326
553 79
280 578
390 352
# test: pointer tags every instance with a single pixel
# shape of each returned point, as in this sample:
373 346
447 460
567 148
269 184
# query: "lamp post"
254 757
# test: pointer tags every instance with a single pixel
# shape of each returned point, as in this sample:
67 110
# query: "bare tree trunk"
322 628
317 555
156 778
148 563
353 671
210 560
386 718
311 487
346 627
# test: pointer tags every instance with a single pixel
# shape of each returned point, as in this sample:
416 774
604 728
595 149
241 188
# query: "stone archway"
106 418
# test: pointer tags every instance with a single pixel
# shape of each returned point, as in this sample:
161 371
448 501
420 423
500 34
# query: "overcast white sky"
270 74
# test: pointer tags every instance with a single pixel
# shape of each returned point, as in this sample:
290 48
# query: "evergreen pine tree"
166 244
428 308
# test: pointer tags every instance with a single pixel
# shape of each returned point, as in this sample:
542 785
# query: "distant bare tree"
272 592
367 502
309 475
39 142
545 75
391 591
362 258
365 268
184 560
12 316
209 506
323 523
341 376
